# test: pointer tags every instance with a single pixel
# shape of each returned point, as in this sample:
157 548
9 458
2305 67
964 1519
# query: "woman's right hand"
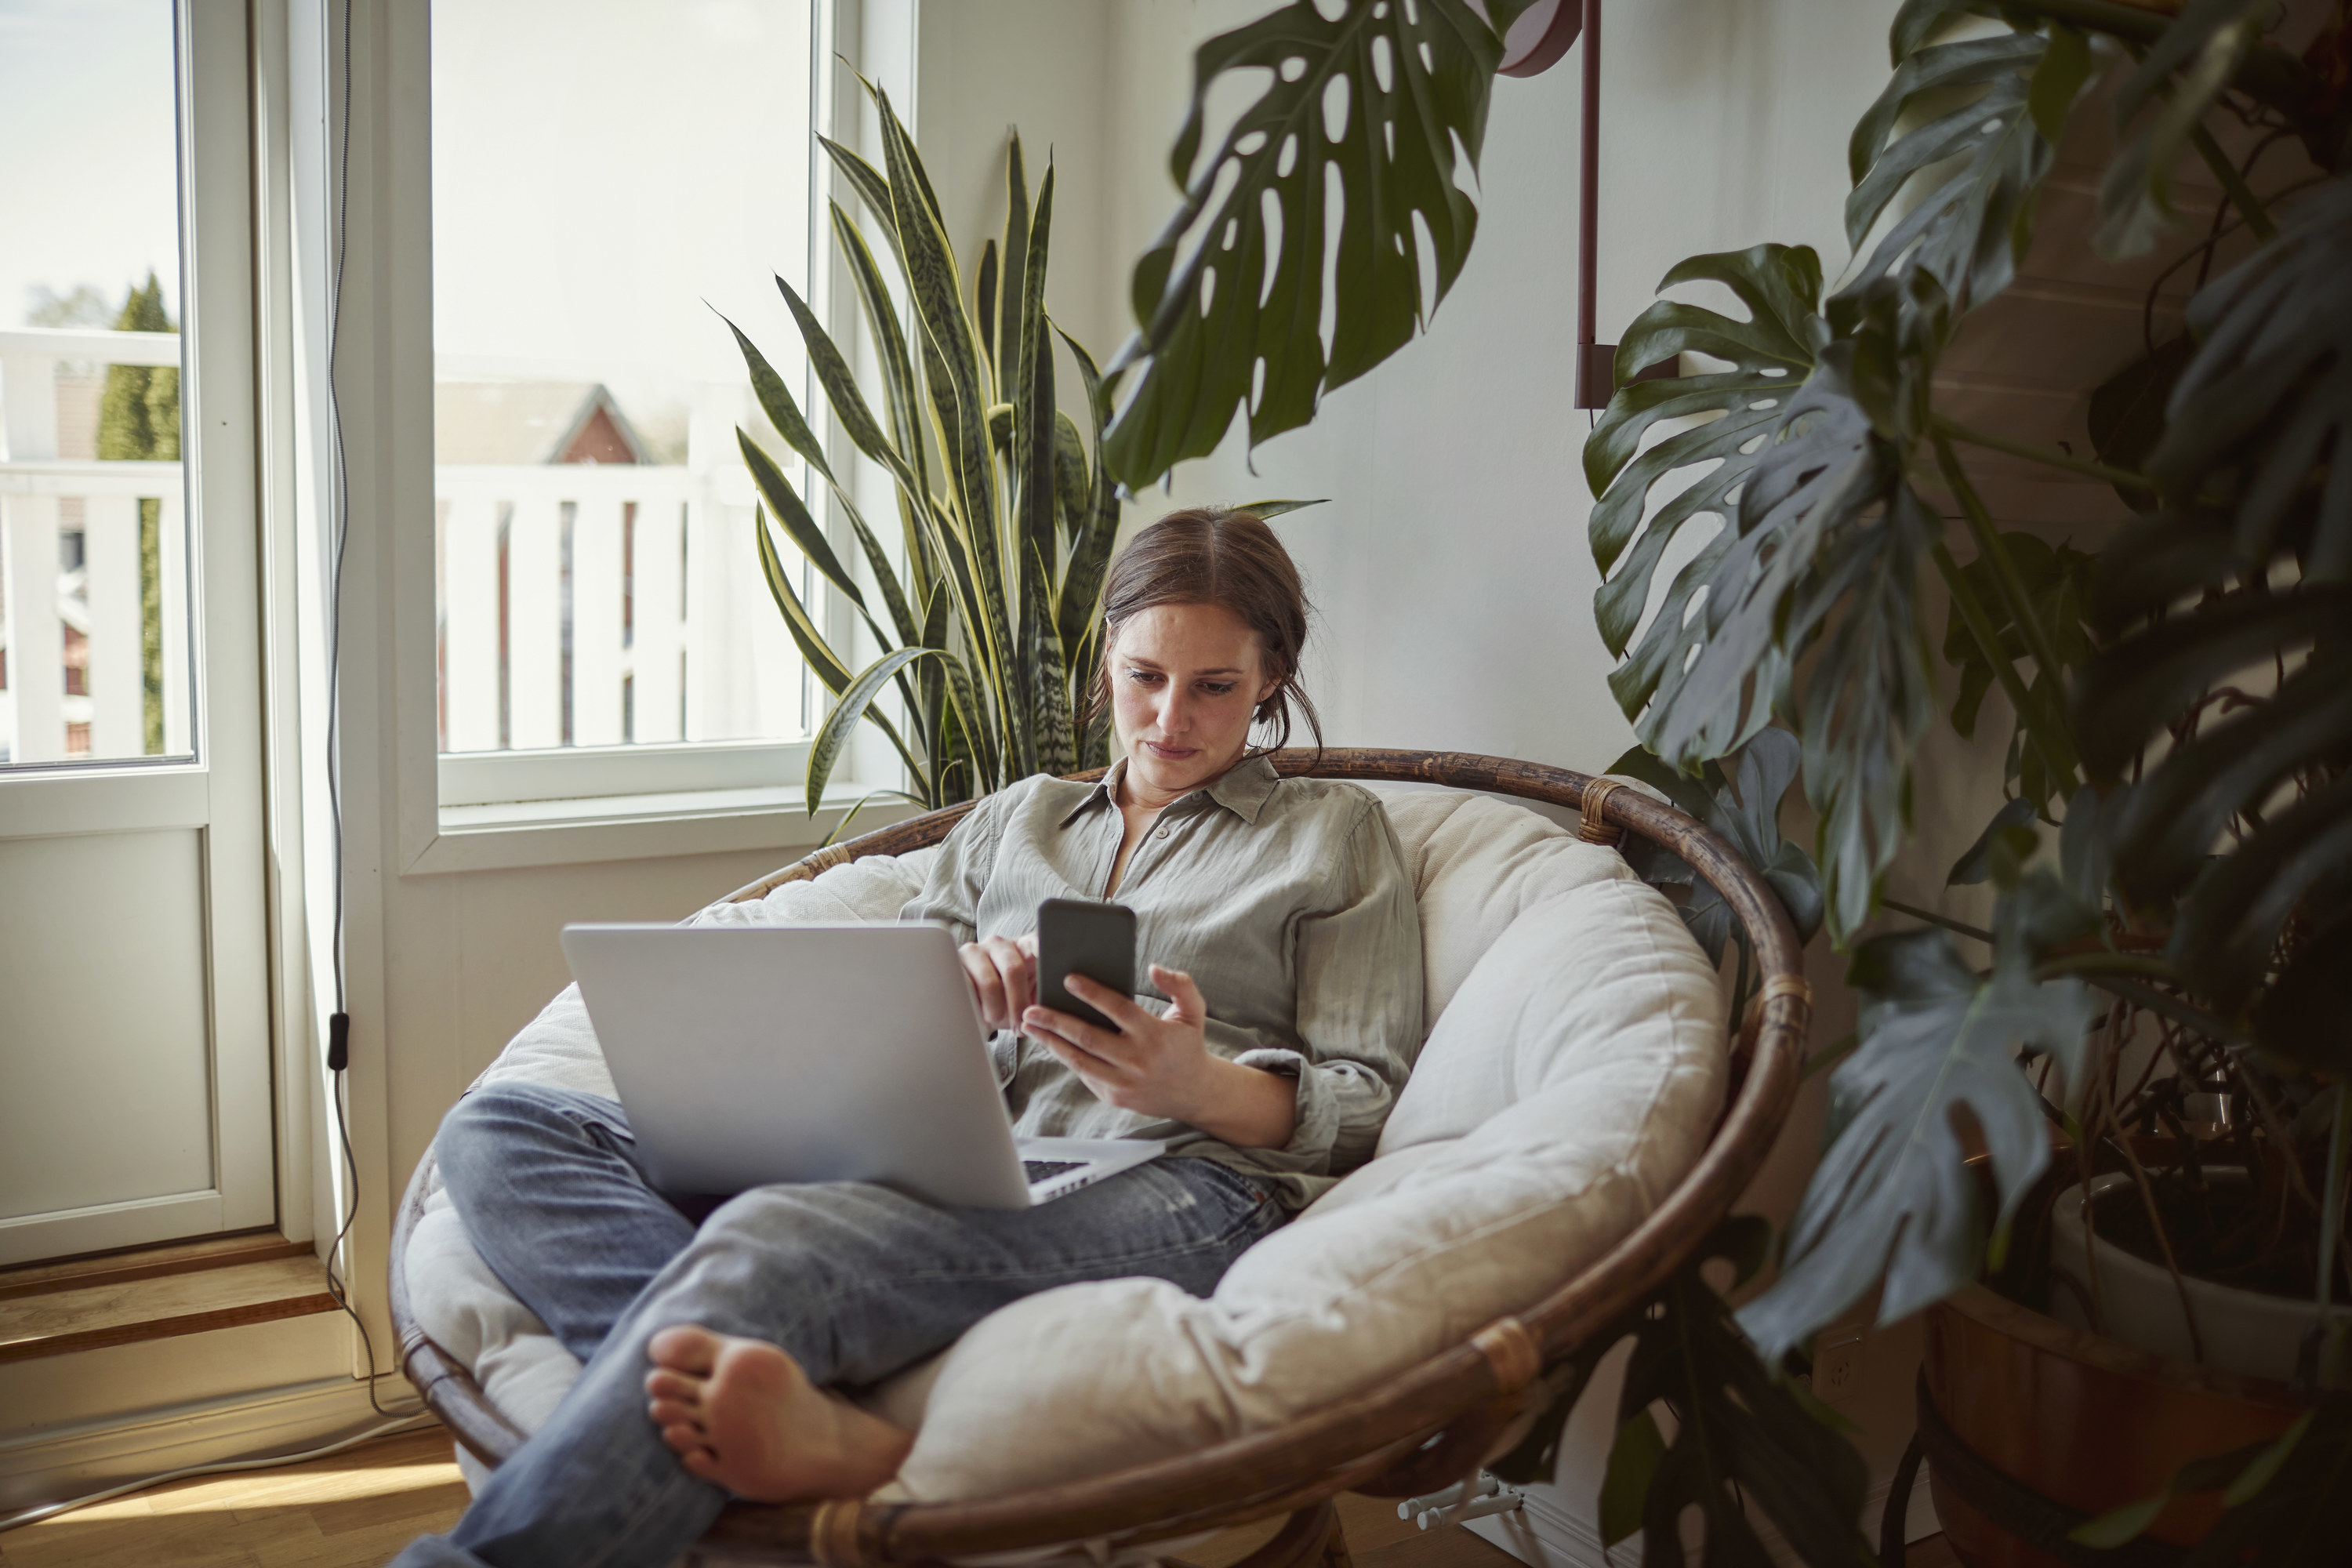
1004 974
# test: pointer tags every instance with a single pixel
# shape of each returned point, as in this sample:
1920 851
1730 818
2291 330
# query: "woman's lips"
1168 753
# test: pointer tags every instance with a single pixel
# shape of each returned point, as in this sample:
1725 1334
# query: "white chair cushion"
1477 863
1600 1104
1577 1031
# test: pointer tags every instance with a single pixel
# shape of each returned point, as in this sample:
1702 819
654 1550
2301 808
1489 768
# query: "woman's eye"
1217 689
1143 677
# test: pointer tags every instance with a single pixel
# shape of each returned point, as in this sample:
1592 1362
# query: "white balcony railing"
73 674
585 605
580 606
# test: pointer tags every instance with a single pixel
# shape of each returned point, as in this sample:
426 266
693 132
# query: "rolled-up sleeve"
1359 1002
950 895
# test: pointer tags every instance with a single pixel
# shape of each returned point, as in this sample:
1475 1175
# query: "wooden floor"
357 1508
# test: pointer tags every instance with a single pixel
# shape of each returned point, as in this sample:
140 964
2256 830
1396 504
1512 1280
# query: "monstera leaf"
1737 1432
1989 153
1828 542
1771 354
1830 537
1740 1436
1892 1191
1828 546
2268 397
2189 65
1744 805
2212 47
2255 534
2183 65
2057 581
2293 861
1378 95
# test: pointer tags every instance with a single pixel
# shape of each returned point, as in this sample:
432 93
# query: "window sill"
641 826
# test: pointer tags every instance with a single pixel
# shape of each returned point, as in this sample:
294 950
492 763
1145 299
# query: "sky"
601 169
604 167
88 188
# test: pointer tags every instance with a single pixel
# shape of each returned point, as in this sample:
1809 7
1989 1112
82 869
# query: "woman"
1285 1013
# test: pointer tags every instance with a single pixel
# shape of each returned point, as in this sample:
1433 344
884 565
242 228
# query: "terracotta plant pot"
2029 1427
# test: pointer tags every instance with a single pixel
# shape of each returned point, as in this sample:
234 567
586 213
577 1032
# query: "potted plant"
2164 991
988 620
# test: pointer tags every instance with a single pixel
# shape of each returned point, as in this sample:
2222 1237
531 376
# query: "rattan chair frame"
1417 1432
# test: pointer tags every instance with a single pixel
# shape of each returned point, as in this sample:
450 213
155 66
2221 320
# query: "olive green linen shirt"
1286 900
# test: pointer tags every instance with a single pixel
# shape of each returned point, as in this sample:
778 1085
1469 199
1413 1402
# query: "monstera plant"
1006 512
2170 854
2178 716
1378 96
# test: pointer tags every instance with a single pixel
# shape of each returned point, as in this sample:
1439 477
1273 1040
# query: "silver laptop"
750 1055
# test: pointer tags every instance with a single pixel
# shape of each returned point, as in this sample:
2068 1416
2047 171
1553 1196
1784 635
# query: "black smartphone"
1077 936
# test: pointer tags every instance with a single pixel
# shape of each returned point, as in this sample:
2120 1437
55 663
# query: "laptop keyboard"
1046 1169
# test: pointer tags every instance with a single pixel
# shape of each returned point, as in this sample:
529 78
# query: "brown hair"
1222 556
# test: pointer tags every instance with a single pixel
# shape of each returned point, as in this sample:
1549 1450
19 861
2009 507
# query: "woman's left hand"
1162 1066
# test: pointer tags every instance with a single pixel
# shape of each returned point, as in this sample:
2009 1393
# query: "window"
608 177
94 629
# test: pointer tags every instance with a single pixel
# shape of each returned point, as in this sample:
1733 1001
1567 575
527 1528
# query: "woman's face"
1185 680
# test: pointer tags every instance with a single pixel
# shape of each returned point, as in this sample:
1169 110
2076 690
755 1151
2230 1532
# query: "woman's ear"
1266 693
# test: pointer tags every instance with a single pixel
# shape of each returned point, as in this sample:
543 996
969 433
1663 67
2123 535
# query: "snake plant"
988 622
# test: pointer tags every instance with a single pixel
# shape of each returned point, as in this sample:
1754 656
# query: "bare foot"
741 1414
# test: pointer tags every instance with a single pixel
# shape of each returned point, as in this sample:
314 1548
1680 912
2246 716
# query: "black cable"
341 499
339 1022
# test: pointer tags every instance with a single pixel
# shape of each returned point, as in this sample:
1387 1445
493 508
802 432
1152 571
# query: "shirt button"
1161 834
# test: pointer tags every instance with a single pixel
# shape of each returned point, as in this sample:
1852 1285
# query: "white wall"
1037 66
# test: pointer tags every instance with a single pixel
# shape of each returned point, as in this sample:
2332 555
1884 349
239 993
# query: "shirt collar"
1242 789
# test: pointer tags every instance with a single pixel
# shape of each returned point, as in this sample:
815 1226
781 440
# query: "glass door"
134 1052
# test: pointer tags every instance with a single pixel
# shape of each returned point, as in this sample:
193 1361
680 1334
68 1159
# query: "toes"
689 1442
663 1383
701 1462
667 1413
684 1349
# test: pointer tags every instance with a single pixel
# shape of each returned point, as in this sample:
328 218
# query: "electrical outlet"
1837 1364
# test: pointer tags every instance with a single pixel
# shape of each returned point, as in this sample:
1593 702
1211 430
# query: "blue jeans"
854 1281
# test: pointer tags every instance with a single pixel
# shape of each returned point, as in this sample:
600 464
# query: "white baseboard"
56 1462
1545 1534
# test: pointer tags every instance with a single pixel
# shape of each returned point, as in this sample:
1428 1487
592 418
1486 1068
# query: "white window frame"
476 811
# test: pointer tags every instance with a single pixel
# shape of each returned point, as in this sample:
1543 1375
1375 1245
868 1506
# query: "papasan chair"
1580 1120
